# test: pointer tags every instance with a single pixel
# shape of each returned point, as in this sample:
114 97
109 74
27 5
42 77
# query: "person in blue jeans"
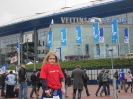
22 82
122 79
106 83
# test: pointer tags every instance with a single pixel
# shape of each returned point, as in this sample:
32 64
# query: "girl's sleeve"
43 73
60 73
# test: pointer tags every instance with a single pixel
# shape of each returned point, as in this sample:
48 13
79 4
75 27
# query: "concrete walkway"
92 89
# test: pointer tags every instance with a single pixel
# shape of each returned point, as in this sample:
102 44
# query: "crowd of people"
55 81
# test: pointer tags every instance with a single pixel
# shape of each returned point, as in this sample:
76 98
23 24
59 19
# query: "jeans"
100 85
108 88
2 89
86 88
104 88
23 86
123 84
33 90
66 86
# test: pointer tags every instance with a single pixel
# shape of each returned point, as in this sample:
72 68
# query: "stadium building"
42 32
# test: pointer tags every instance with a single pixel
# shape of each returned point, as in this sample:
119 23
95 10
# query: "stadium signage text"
68 20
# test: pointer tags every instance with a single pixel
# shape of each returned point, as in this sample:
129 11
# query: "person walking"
66 81
51 77
86 82
108 83
129 81
122 79
22 82
3 77
38 82
33 79
10 83
78 76
100 82
117 80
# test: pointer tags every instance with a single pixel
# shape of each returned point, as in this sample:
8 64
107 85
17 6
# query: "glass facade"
42 36
94 49
7 41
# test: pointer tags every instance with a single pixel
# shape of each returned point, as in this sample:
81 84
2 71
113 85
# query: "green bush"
95 63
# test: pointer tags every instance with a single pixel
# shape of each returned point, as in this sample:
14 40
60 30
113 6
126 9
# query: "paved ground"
92 89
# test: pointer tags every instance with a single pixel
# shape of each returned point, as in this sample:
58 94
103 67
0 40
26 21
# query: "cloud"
13 9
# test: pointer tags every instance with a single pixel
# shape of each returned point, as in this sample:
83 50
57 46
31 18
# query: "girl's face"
52 59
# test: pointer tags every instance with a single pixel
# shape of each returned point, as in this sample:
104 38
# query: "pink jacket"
129 77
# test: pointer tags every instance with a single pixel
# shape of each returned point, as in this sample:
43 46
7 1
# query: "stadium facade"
35 31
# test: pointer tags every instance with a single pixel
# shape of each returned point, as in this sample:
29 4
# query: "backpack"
105 77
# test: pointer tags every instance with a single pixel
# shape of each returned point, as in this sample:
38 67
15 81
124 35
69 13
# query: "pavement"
92 90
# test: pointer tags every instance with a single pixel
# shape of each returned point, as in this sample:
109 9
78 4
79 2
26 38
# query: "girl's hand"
47 92
63 91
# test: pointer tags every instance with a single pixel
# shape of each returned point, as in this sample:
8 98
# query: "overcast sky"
13 9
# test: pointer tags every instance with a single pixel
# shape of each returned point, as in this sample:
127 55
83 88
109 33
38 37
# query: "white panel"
90 77
89 72
93 71
99 71
125 70
93 77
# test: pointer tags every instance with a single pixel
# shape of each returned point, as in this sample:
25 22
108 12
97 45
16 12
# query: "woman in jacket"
129 80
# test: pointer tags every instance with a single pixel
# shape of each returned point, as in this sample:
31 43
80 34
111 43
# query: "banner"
3 68
114 31
63 37
95 31
101 35
78 35
49 39
13 59
126 36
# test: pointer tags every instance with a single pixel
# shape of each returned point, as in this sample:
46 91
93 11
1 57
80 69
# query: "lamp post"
34 62
0 55
26 40
78 50
114 79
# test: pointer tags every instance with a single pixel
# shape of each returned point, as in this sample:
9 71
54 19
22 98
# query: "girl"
129 80
52 77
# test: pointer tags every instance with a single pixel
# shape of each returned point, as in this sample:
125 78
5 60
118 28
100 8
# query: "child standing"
51 77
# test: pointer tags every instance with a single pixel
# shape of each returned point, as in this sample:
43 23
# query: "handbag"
54 97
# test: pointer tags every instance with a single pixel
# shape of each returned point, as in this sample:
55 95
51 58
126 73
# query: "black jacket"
33 79
99 78
66 80
22 75
3 77
85 80
38 77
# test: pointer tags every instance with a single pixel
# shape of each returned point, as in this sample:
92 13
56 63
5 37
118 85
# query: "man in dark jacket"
3 77
85 82
33 79
78 76
38 81
22 82
100 82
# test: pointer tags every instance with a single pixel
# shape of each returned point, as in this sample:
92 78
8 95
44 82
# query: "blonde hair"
47 57
129 71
